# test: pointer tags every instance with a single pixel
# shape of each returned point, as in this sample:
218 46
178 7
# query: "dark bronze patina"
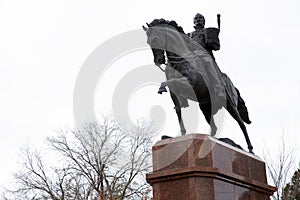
192 72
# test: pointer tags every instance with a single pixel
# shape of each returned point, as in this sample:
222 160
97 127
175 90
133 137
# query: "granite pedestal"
200 167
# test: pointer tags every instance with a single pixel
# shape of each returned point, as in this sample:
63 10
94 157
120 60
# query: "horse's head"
156 43
159 32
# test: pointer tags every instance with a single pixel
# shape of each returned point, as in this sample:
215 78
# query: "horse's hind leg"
234 113
207 112
178 112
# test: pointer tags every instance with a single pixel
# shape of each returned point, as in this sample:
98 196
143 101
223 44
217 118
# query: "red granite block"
222 159
197 166
223 190
257 171
240 164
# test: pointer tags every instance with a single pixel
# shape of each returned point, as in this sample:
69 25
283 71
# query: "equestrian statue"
192 72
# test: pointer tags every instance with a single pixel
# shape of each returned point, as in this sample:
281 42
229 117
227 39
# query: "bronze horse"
186 58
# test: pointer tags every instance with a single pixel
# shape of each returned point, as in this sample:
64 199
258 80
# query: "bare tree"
34 181
99 161
280 165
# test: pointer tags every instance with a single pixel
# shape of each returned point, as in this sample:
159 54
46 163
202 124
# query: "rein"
161 68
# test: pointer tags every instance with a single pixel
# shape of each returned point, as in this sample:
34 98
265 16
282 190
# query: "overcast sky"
43 45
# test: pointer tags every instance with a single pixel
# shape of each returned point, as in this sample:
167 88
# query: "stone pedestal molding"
200 167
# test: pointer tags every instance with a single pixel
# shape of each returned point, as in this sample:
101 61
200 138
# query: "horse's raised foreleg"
208 114
162 88
179 86
235 114
183 82
178 112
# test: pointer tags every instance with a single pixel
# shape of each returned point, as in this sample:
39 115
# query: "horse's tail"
242 109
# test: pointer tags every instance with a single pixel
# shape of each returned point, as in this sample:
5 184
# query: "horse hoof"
251 151
165 137
183 132
213 133
161 90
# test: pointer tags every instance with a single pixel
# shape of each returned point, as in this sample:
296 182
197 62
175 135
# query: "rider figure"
199 34
202 36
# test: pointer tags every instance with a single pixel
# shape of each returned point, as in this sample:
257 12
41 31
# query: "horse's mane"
157 22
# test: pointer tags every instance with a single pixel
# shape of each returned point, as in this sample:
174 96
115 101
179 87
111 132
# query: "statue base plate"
200 167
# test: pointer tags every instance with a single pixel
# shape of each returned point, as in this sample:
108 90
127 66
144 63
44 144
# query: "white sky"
43 45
